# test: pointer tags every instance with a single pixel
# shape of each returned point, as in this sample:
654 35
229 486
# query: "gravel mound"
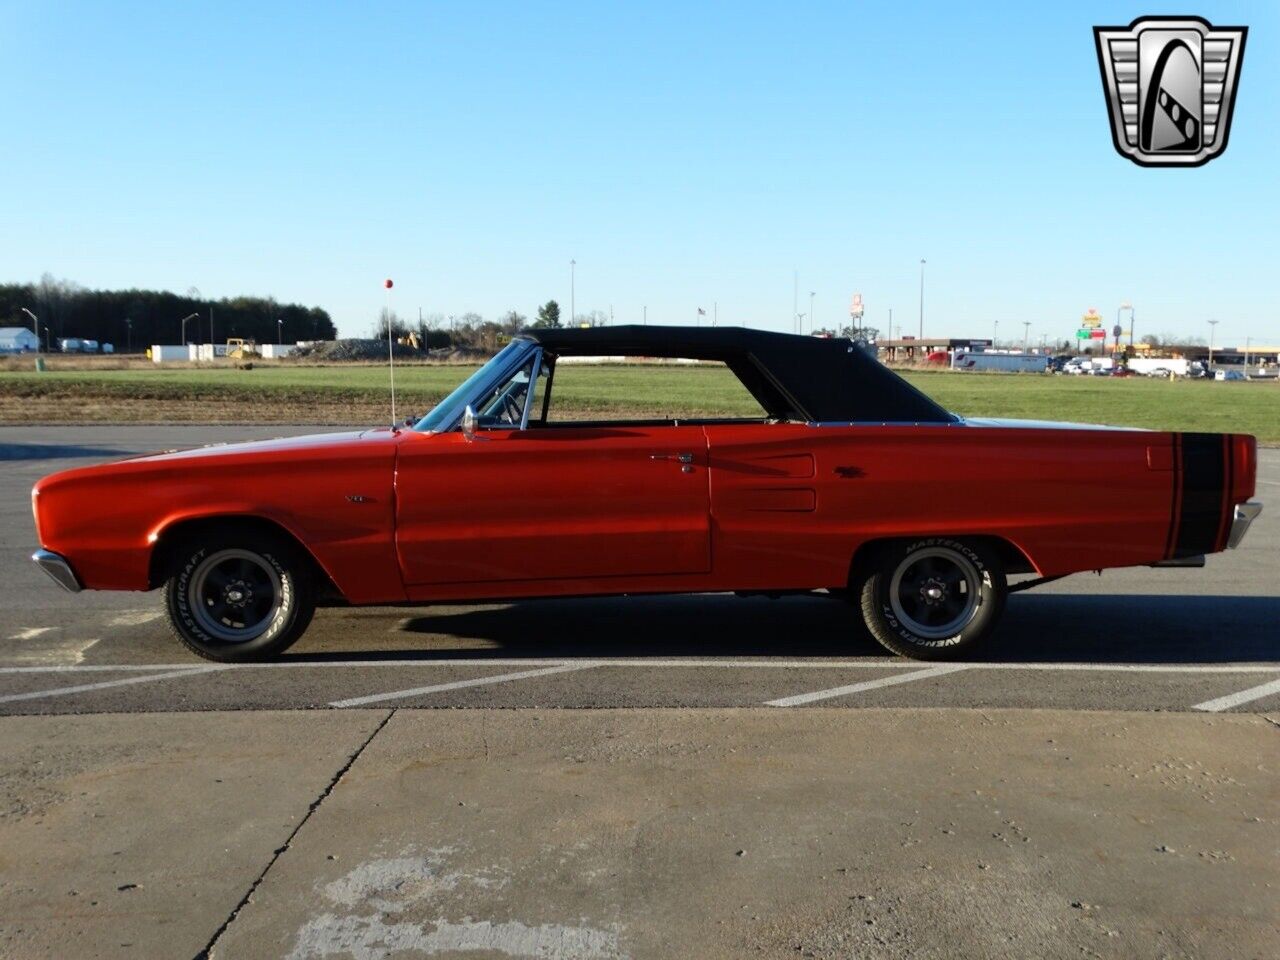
341 350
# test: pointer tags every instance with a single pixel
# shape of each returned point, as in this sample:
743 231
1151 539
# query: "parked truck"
1005 362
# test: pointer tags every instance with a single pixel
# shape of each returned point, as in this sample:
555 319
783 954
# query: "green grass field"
357 393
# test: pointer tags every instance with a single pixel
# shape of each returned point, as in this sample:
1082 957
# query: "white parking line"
30 633
1235 699
88 687
460 684
869 663
802 698
134 618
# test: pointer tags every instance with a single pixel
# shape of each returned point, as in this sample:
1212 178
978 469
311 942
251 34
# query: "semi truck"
1004 362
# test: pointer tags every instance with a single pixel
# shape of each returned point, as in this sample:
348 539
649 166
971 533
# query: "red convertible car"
848 480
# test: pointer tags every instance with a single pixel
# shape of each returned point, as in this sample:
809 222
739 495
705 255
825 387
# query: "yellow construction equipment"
238 348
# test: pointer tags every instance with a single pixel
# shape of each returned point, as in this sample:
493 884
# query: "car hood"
1040 424
302 444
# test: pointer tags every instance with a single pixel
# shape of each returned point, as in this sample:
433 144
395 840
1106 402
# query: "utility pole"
1212 324
1126 305
795 300
573 265
922 298
646 314
811 296
1026 333
995 333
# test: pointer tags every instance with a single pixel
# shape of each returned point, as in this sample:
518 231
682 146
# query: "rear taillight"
1244 466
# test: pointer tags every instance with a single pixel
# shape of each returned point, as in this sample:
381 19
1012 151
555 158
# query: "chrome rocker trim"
56 566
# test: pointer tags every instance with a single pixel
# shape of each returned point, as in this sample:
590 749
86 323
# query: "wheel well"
1011 557
163 554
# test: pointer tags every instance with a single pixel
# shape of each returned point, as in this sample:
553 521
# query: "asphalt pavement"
703 776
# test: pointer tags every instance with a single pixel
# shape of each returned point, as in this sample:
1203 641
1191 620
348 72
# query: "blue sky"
683 154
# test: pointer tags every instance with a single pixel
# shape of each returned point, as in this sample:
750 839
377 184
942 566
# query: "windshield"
444 412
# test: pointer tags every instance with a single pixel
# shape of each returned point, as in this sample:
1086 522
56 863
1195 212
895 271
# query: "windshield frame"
446 415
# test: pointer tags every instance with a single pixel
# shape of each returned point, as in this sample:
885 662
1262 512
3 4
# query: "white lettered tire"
238 597
934 598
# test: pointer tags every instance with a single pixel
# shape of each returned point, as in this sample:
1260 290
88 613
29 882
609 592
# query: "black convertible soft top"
791 377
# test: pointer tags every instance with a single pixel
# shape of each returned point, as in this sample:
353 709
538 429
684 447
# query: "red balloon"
387 283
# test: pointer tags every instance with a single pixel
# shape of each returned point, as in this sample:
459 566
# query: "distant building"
17 340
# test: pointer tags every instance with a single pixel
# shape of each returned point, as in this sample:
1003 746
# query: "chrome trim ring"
934 592
234 595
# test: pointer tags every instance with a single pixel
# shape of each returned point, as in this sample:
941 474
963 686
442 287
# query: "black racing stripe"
1204 472
1175 497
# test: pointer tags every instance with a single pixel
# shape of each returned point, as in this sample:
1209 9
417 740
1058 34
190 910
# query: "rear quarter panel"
791 503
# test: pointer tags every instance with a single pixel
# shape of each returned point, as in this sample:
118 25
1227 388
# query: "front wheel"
240 597
932 599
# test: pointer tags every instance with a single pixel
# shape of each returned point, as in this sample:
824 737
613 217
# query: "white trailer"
1005 362
168 353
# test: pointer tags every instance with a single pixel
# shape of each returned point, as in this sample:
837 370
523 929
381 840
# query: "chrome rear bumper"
1246 513
56 566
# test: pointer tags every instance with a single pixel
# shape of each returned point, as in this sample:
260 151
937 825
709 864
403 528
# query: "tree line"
472 330
135 319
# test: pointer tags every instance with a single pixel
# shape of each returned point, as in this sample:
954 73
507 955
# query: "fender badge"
357 498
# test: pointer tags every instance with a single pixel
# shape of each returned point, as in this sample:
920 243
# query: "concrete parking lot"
734 777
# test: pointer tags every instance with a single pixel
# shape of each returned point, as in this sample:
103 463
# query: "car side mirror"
469 423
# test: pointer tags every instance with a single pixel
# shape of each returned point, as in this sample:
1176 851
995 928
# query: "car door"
580 502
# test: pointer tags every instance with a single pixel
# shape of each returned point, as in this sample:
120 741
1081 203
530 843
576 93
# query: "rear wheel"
239 596
932 599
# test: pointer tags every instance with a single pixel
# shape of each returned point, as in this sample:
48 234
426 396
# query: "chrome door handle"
685 458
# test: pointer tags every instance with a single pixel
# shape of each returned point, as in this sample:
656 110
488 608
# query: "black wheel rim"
234 595
934 592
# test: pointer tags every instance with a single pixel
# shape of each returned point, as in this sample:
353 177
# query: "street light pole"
573 266
811 296
922 298
1212 324
35 326
995 334
1026 334
280 329
183 321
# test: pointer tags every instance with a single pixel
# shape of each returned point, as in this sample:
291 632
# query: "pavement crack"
207 951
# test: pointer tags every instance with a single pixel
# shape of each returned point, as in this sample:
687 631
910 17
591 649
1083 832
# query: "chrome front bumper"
56 566
1246 513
